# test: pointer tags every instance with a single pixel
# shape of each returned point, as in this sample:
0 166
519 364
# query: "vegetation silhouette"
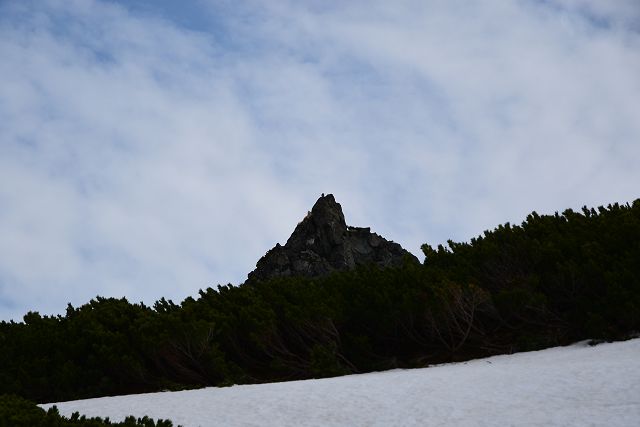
553 280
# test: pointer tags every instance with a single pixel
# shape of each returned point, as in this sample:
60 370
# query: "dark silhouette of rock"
323 243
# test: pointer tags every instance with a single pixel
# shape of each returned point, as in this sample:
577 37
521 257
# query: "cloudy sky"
153 148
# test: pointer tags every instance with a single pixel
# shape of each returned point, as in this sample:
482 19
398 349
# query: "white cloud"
144 159
128 176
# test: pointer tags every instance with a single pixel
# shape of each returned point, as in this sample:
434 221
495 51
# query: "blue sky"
151 149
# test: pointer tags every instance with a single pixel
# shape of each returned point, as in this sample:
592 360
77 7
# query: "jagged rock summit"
323 243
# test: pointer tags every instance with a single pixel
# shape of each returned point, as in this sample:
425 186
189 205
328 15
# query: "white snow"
577 385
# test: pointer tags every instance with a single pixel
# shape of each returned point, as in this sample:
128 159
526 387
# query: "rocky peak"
322 243
323 228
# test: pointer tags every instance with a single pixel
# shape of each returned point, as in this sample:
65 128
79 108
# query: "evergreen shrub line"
552 280
18 412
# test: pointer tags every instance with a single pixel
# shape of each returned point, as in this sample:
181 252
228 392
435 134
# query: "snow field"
576 385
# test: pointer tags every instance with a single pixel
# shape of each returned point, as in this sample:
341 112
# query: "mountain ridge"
323 243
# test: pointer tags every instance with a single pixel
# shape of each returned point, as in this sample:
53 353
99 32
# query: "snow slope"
568 386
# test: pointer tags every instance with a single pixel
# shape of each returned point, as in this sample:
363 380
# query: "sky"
149 149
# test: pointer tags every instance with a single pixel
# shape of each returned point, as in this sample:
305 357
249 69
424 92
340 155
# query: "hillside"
577 385
553 280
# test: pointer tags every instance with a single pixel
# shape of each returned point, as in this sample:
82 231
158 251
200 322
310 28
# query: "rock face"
323 243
